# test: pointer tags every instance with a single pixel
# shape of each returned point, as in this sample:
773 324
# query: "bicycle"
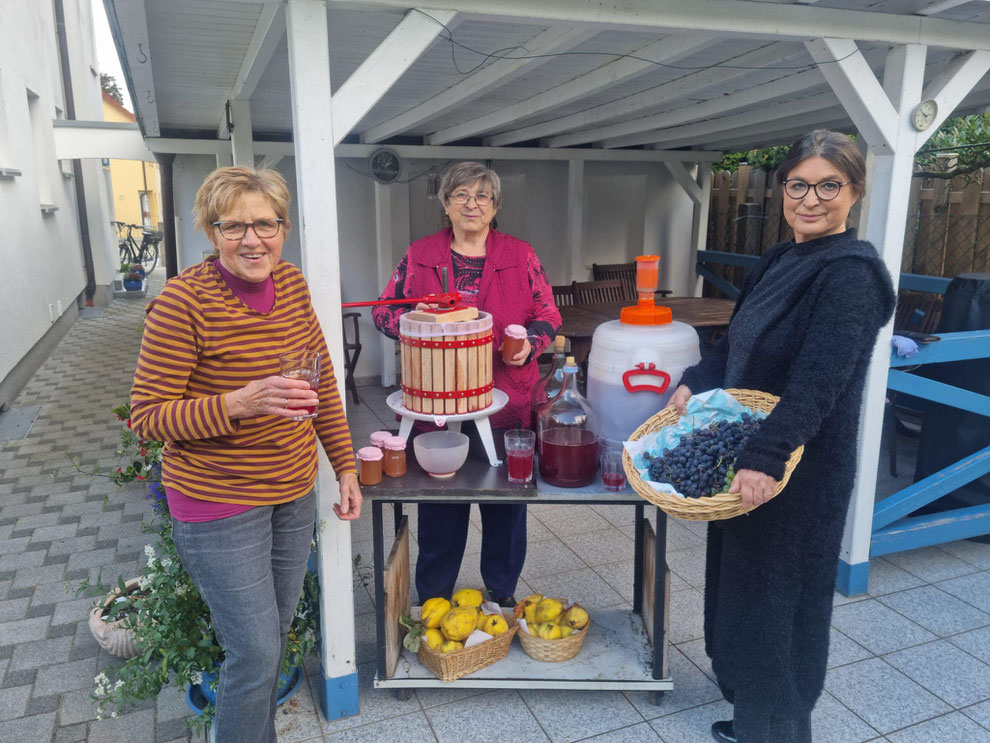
145 253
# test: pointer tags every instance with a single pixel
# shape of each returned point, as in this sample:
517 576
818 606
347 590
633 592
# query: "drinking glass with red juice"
304 365
519 447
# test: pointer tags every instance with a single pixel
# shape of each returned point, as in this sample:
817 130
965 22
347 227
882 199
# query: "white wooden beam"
385 242
728 17
313 141
759 116
268 32
939 5
948 89
681 174
537 51
135 48
784 86
630 105
384 66
242 138
666 51
842 64
699 229
574 238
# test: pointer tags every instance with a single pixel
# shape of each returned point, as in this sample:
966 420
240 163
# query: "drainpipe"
70 113
165 161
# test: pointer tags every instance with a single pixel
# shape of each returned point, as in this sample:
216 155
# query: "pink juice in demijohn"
568 457
520 465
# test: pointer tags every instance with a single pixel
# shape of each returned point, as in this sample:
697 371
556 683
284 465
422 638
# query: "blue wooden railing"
894 530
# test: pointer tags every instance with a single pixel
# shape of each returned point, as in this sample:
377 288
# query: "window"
40 135
7 169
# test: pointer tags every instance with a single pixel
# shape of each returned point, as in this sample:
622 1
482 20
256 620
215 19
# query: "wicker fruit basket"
451 666
553 651
714 507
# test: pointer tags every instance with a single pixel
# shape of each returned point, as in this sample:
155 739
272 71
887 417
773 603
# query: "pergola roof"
701 74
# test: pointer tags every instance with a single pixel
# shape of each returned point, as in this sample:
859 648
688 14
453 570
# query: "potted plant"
166 616
134 278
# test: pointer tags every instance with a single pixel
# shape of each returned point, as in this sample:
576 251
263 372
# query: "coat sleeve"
386 317
845 319
545 320
169 354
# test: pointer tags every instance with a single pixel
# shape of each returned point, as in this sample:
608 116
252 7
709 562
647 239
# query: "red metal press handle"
646 369
445 300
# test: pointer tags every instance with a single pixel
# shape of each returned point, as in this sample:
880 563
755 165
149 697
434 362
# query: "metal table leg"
379 550
659 593
638 562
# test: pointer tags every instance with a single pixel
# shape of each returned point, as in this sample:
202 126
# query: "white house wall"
42 256
630 209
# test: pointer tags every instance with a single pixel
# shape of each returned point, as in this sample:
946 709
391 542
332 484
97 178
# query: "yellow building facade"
135 184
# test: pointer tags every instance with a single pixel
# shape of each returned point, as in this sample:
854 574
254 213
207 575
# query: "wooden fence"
948 224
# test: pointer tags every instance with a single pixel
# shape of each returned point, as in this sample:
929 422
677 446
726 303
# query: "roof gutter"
70 113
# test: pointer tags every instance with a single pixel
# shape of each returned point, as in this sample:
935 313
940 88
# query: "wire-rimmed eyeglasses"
463 197
824 190
234 230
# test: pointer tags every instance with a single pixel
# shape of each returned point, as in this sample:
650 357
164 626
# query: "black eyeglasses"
463 197
824 190
234 230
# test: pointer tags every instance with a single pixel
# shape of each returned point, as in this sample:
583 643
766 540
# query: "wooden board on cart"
396 596
649 567
468 313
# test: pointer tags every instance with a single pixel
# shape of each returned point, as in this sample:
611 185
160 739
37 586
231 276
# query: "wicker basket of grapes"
711 449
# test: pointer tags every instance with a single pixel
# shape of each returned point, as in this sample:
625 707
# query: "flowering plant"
168 617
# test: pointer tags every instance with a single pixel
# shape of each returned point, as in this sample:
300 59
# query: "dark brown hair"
835 147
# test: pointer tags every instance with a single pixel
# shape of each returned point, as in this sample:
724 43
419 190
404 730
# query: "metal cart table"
619 652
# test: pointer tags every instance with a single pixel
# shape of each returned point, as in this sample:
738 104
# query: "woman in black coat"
804 328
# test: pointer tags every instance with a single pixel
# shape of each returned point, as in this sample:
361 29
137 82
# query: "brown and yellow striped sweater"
200 342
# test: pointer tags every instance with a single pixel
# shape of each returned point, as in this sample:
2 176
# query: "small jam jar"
515 338
370 463
378 439
395 456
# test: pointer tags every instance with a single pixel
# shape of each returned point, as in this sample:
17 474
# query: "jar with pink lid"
515 339
395 456
378 439
370 465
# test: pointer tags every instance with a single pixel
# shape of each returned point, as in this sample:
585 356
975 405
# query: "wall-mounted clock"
924 115
385 165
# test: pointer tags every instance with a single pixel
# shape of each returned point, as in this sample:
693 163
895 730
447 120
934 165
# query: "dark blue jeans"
442 535
249 569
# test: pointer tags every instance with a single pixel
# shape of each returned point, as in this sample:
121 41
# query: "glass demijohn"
567 435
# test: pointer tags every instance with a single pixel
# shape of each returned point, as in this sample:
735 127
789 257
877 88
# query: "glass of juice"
303 365
519 446
613 475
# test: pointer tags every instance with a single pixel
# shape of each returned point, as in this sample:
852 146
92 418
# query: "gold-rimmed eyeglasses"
463 197
824 190
234 230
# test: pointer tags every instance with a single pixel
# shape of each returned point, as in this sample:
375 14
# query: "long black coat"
770 574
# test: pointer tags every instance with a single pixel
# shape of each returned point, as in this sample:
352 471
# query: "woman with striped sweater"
238 470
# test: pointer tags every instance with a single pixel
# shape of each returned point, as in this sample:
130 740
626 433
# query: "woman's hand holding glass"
275 395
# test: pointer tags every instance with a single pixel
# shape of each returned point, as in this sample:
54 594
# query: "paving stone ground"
908 664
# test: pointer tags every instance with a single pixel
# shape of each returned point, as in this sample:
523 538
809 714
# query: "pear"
575 617
548 610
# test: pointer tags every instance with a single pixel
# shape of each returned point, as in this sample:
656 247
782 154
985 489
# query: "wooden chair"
352 351
625 272
600 292
563 295
917 311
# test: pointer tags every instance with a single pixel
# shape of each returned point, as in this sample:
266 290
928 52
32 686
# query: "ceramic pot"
113 636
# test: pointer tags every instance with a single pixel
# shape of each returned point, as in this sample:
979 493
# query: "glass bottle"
567 435
548 387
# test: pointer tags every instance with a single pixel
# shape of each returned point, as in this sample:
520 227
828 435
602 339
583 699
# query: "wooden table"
579 321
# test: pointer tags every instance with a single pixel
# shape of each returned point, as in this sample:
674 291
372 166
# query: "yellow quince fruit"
493 624
548 610
548 631
470 597
434 638
458 623
576 617
531 600
450 646
433 611
566 631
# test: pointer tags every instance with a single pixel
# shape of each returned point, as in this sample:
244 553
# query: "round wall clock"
385 165
924 115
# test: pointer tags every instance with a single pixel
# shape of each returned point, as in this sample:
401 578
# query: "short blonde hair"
224 186
466 173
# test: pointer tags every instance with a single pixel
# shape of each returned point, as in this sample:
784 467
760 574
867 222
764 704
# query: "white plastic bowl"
441 453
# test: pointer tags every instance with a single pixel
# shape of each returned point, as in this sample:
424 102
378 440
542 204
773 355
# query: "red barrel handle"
651 370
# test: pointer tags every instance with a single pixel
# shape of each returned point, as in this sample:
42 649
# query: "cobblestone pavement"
908 663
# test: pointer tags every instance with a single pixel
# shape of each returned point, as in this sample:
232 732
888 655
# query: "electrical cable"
432 169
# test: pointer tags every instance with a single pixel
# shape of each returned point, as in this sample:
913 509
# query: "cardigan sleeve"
386 317
169 354
843 327
545 320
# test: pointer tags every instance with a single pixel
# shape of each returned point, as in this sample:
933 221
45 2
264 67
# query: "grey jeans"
249 569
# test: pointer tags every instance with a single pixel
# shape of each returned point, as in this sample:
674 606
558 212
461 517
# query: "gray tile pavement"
908 664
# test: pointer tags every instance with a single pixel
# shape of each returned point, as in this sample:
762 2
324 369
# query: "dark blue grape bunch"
703 462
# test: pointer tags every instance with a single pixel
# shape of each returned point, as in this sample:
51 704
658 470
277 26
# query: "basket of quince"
550 629
457 637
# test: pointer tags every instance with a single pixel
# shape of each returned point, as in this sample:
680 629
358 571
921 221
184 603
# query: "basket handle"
649 370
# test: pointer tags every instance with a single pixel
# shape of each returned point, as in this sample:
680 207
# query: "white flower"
197 678
180 591
166 562
143 583
118 685
149 550
114 714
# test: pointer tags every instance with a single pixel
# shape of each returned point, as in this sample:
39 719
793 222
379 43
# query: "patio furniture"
601 292
563 294
352 350
625 272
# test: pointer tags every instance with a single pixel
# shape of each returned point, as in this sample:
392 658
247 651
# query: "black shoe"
506 602
722 732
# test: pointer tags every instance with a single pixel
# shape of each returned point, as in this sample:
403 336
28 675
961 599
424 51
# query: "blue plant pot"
133 285
199 695
138 269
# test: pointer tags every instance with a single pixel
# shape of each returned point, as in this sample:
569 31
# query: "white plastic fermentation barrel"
634 369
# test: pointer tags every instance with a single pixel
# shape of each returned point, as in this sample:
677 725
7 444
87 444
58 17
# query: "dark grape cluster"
703 462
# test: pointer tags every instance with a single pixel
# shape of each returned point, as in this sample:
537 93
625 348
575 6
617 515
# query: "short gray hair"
466 173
